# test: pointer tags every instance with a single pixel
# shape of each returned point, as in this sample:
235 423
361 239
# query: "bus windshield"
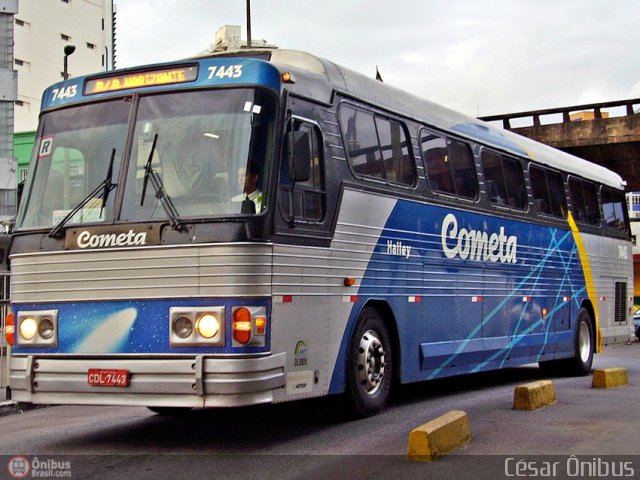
205 152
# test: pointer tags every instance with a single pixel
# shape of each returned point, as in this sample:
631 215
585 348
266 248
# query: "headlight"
28 328
183 327
37 328
196 326
45 328
207 326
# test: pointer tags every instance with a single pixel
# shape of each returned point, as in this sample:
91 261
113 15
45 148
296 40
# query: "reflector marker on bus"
350 298
415 299
526 299
476 299
566 299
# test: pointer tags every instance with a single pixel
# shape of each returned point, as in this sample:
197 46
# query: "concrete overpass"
605 133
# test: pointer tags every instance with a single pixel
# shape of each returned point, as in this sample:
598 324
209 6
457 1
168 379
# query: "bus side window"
548 192
614 209
584 201
377 147
504 180
449 164
307 203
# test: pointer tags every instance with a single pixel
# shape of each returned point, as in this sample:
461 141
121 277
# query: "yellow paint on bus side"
588 277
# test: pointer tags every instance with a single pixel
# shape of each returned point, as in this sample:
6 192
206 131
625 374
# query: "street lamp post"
68 50
248 23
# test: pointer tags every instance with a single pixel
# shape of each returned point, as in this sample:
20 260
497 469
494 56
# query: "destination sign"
147 78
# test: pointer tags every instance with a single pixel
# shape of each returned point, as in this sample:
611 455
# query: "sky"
480 57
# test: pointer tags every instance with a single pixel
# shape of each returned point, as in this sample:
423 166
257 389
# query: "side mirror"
300 156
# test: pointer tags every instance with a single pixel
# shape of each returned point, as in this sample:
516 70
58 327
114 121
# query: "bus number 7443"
232 71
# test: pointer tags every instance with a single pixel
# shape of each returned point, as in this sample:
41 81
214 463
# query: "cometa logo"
477 245
128 239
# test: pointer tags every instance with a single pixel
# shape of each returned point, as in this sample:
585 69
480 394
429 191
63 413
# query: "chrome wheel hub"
370 362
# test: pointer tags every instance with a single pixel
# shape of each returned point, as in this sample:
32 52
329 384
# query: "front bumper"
193 381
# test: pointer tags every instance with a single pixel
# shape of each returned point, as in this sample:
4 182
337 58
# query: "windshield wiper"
158 186
106 186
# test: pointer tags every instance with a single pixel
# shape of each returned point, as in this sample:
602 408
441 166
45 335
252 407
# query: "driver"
248 179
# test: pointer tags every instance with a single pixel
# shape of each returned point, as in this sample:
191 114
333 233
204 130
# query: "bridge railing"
626 107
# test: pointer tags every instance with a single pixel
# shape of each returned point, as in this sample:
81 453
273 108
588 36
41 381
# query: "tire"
584 347
584 343
369 364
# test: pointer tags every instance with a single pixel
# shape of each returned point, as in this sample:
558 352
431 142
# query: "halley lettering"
398 248
476 244
129 239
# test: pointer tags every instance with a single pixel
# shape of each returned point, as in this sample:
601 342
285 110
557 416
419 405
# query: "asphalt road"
587 431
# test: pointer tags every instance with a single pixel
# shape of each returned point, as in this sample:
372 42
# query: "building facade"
42 30
8 94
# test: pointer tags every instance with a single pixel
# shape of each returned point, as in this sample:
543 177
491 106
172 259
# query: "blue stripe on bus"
448 332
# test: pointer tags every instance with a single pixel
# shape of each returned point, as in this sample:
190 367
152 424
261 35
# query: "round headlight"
183 327
28 328
207 326
45 328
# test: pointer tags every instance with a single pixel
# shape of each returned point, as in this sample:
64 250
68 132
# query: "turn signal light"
242 325
10 329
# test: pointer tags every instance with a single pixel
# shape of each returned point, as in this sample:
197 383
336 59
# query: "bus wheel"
584 344
370 364
584 341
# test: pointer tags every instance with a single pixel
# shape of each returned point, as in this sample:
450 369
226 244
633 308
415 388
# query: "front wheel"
370 364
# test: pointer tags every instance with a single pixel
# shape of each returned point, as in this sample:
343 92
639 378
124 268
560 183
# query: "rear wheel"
584 348
370 364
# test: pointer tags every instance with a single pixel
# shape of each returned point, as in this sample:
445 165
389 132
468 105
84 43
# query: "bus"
262 226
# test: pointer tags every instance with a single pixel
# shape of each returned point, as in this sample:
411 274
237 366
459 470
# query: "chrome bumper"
197 381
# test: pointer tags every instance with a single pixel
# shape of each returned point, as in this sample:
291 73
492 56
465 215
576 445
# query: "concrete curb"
439 436
534 395
610 378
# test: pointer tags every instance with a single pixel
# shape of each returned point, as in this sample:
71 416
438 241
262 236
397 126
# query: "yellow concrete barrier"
439 436
531 396
609 378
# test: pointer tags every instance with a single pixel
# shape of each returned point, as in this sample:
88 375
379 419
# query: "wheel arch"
389 319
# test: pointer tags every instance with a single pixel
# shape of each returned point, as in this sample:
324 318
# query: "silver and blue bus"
266 226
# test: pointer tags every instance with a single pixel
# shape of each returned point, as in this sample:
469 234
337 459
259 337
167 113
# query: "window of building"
584 201
377 147
91 46
65 37
548 191
449 164
504 180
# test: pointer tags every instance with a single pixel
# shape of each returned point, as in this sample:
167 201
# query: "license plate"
104 377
